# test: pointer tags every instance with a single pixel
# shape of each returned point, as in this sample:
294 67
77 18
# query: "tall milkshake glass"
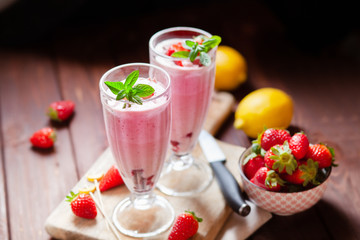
192 86
138 136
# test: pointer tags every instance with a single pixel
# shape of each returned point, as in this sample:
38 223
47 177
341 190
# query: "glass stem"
142 201
181 162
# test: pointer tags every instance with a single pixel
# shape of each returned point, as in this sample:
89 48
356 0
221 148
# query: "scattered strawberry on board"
283 163
186 225
82 205
61 110
111 179
43 138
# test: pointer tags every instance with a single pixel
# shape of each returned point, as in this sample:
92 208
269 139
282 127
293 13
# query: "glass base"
143 216
184 176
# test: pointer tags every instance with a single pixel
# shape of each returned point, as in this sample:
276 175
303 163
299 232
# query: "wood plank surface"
34 179
79 71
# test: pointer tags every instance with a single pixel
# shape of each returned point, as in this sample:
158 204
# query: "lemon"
231 68
265 107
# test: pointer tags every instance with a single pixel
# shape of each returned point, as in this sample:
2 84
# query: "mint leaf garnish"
197 48
143 90
205 59
181 54
126 90
131 79
115 86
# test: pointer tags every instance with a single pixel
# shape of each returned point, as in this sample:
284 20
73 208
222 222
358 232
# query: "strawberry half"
43 138
61 110
111 179
252 164
267 179
82 205
304 174
186 225
280 159
272 136
176 48
322 154
299 145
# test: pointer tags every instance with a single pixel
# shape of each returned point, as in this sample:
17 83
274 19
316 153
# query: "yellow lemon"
231 68
265 107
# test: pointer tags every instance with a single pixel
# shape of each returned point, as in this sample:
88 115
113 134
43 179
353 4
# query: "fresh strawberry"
280 159
304 174
111 179
82 205
61 110
179 63
322 154
185 226
267 179
299 145
43 138
252 164
272 136
176 48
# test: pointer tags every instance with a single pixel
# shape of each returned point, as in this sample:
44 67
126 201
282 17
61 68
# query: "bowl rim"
242 174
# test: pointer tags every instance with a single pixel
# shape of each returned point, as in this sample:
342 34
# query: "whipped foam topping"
147 103
162 47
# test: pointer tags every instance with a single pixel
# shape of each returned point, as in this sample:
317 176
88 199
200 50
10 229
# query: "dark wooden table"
43 60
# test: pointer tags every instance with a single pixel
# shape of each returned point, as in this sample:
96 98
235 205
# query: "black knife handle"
230 189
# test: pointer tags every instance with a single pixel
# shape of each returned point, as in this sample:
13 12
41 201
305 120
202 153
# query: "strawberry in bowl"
293 175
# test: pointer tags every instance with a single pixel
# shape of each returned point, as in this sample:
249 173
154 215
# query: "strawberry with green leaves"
61 110
299 145
43 138
322 154
82 205
186 225
267 179
304 174
280 159
252 164
272 136
111 179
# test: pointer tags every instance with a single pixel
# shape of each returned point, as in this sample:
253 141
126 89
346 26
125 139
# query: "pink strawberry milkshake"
192 85
138 135
191 88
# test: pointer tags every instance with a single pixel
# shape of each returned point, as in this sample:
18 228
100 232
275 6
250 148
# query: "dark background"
311 25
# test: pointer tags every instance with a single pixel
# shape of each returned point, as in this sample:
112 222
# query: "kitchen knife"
228 184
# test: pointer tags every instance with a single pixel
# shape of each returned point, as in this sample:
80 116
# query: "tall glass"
138 137
191 90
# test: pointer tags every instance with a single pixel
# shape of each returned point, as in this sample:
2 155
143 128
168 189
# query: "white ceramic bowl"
281 203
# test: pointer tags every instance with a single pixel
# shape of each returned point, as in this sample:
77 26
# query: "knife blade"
228 184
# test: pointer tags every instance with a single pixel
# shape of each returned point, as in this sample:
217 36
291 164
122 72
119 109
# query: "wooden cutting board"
210 204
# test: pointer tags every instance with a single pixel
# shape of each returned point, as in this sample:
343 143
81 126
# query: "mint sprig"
129 91
199 49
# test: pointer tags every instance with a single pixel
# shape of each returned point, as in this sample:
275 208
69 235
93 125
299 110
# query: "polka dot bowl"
281 203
